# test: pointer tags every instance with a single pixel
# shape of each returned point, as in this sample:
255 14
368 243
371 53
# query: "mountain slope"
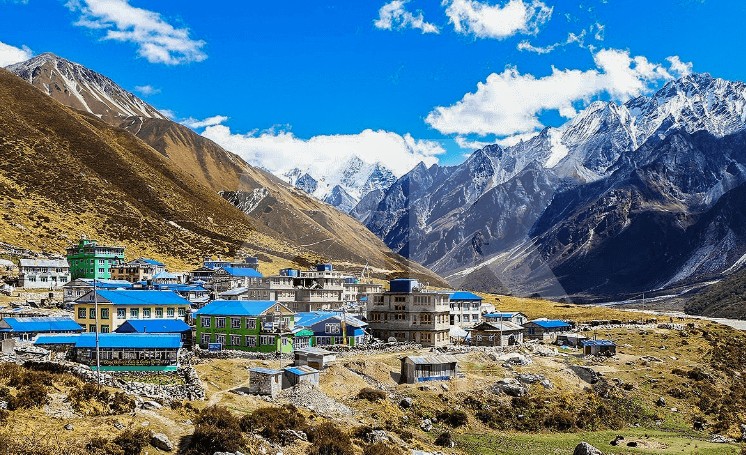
78 87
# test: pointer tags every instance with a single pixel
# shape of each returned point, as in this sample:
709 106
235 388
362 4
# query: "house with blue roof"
177 326
129 351
515 317
329 328
246 325
26 328
466 308
229 277
75 289
545 329
599 347
116 306
137 270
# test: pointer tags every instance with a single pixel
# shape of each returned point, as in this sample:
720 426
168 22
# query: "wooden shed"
428 368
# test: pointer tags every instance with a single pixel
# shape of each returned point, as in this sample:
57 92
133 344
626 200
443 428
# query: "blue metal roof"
551 323
142 297
301 370
242 272
236 308
153 326
109 284
43 324
311 318
464 295
153 262
598 343
129 340
500 315
165 276
261 370
56 339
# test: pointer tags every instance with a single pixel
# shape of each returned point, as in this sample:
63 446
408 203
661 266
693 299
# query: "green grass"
564 443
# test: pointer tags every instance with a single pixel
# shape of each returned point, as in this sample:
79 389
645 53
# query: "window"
236 323
104 313
220 339
146 313
205 321
285 341
400 299
205 338
251 341
250 323
331 328
159 312
92 328
219 323
267 340
182 312
170 312
235 340
100 270
135 313
81 313
104 329
121 313
92 313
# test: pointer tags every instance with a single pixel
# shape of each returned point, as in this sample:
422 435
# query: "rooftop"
140 297
307 319
301 370
550 323
236 308
42 324
153 326
242 272
431 359
464 295
53 263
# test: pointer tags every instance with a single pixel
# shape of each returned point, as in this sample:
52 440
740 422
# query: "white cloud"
497 21
192 122
147 90
168 113
394 16
572 38
157 40
600 31
679 68
11 54
509 103
281 151
468 144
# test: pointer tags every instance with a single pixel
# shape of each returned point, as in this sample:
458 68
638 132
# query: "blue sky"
299 78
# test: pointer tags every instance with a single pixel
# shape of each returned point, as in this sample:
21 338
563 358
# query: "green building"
245 325
89 260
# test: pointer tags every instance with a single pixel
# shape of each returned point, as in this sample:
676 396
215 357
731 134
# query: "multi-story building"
357 292
226 278
331 328
75 289
465 308
43 273
117 306
88 259
407 313
246 325
141 269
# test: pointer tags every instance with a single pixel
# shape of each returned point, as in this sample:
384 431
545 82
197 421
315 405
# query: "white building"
43 273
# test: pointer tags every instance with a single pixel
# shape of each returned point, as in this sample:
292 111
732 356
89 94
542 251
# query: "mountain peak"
81 88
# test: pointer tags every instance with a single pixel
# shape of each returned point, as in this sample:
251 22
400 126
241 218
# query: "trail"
215 397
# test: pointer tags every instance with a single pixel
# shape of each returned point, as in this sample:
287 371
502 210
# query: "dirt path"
215 397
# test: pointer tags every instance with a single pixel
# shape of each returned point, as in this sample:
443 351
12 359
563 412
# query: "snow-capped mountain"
342 186
540 212
77 86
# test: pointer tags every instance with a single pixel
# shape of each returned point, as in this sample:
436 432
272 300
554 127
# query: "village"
225 334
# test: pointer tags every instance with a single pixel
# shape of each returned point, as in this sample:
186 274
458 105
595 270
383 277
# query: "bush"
102 446
444 440
30 396
453 418
132 441
328 439
381 448
371 394
117 403
217 430
270 422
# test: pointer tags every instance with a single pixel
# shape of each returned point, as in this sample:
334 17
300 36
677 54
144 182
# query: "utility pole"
98 348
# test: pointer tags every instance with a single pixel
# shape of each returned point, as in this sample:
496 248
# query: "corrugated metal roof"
56 339
236 291
598 343
142 297
505 326
236 307
106 283
301 370
153 326
129 340
53 263
550 323
313 350
242 272
261 370
42 324
464 295
165 276
310 318
432 359
501 315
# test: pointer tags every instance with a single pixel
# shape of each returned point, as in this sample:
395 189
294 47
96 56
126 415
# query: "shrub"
453 418
371 394
270 422
328 439
132 441
102 446
30 396
217 430
444 440
381 448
